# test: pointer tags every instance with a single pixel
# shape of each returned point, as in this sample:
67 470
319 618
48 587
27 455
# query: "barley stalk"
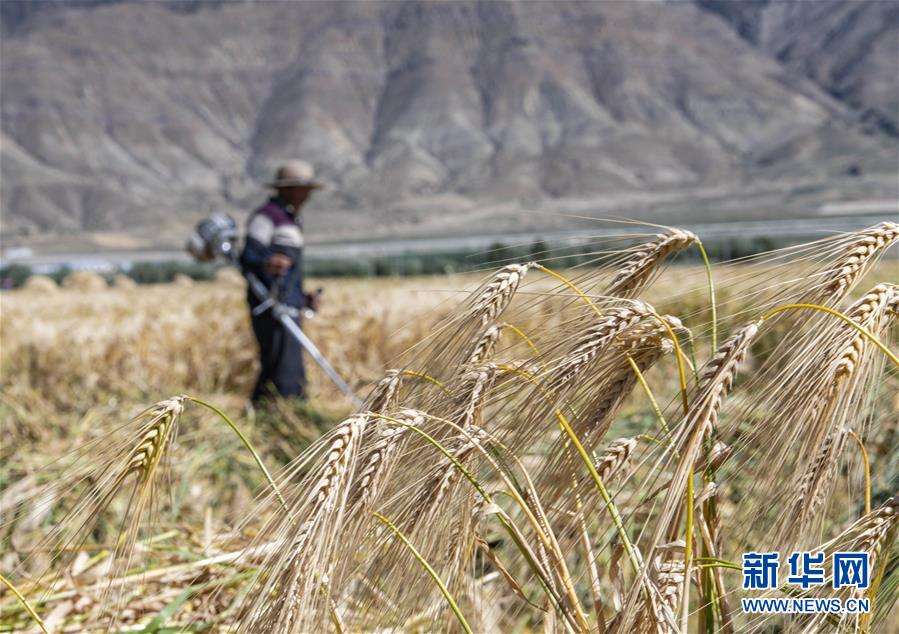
21 599
430 571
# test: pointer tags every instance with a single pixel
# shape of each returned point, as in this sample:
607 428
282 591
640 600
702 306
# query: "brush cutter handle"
312 303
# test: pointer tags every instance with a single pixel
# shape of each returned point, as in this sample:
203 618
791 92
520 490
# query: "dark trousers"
281 359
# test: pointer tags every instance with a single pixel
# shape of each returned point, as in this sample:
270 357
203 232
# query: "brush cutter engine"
213 238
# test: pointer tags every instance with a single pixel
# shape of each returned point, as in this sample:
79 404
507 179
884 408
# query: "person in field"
274 252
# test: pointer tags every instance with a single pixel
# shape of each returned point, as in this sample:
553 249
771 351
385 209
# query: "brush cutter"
215 238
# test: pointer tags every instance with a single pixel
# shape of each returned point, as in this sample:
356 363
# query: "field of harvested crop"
587 449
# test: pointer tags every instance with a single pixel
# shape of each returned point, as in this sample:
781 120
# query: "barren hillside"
427 117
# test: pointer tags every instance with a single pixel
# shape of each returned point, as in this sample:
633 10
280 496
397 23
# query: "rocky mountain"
137 118
851 49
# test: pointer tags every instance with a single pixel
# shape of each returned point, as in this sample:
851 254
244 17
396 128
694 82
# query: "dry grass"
139 344
557 450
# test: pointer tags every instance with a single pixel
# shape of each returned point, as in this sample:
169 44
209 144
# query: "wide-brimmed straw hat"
295 173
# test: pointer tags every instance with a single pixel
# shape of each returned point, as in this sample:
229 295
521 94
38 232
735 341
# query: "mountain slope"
851 49
134 117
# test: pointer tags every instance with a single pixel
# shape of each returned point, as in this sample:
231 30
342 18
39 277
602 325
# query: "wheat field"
587 449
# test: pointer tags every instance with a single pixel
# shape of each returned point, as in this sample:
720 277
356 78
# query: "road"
792 229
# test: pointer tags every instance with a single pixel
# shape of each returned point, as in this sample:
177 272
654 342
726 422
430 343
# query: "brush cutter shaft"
287 317
294 329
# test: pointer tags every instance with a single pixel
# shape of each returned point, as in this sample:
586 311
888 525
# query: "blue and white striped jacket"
273 229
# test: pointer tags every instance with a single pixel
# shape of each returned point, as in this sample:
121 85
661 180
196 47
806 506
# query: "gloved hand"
278 264
313 300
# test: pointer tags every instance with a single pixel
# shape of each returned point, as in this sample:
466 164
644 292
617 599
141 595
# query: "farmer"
274 252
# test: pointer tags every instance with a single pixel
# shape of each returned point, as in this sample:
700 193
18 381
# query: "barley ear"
638 268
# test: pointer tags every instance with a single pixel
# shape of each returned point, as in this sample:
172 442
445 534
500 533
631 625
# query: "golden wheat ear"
637 350
607 384
715 384
484 346
596 339
378 460
383 397
614 459
637 270
872 533
495 296
120 479
807 405
861 251
293 583
469 332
